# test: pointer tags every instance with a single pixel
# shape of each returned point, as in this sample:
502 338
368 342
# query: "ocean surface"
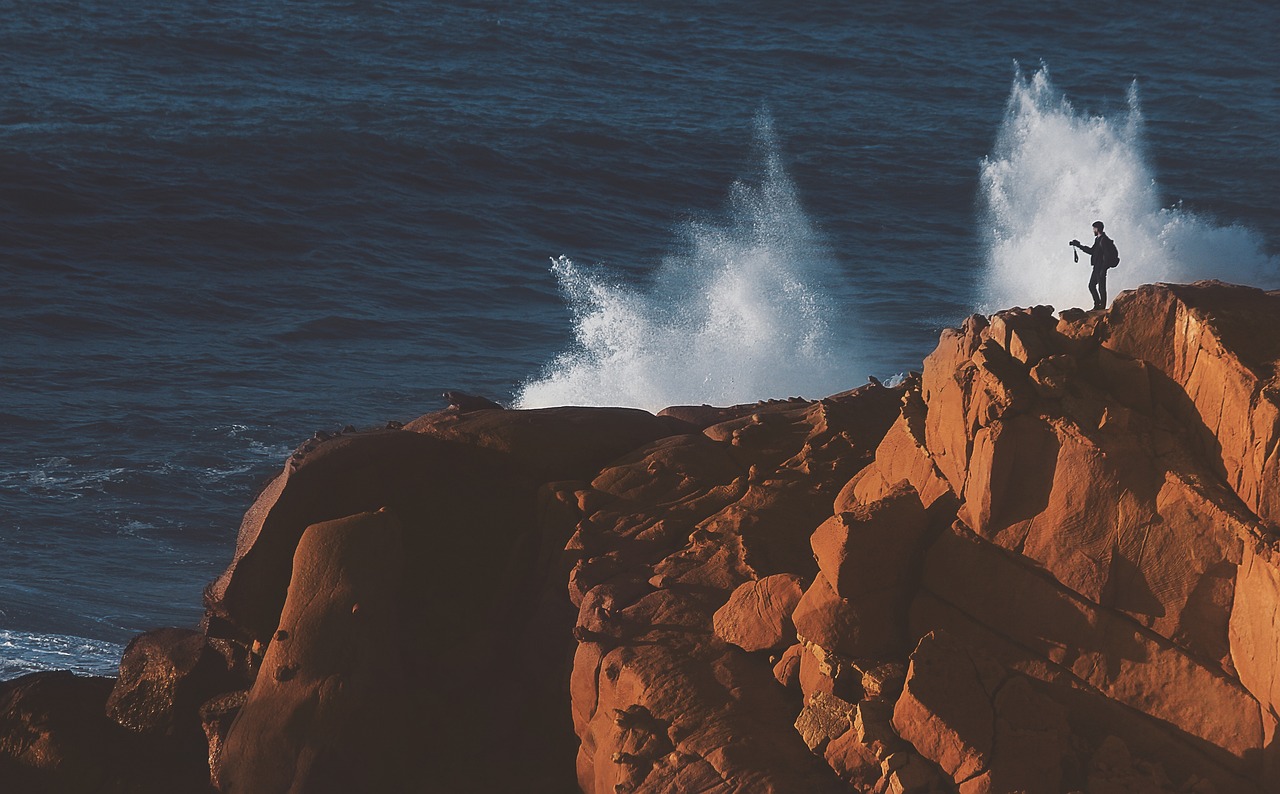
226 226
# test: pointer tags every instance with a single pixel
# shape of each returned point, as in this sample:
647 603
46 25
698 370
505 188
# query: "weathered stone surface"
1092 717
757 616
698 530
901 455
327 711
946 710
52 735
787 668
1030 741
662 715
868 625
1220 345
1255 626
824 717
986 728
343 476
216 718
872 546
1099 647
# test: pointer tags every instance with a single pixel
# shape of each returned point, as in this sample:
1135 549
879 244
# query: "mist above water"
739 314
1054 170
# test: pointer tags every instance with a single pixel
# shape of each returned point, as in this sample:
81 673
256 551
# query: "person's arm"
1084 248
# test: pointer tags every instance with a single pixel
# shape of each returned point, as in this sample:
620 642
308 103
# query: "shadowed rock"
327 712
55 738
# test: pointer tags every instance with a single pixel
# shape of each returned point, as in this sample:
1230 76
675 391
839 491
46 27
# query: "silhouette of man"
1102 255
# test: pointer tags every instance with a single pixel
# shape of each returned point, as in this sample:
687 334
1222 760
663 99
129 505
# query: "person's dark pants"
1098 287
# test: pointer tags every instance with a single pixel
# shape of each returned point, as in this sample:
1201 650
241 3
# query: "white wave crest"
23 652
738 316
1055 170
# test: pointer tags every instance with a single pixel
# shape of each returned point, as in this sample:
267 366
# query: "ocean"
227 226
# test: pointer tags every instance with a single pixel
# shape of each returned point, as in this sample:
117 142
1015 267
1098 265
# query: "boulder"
901 455
757 616
946 710
55 738
327 712
868 625
1255 625
872 546
985 727
165 677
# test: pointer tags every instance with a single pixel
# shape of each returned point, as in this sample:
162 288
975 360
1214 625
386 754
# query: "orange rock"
345 475
948 376
1091 716
787 668
1027 334
1093 501
666 718
1255 625
757 617
1031 734
870 625
945 710
872 546
717 529
1099 647
826 672
901 455
1087 478
670 470
853 761
1219 344
328 708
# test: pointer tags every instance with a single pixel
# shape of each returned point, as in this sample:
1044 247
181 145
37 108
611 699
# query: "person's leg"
1098 288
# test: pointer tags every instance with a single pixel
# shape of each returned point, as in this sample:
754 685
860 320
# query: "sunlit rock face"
1057 572
1047 562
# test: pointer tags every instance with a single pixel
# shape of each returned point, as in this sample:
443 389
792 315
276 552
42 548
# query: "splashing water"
738 316
1054 171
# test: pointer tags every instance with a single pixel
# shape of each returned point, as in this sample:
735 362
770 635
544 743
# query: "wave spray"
1054 171
737 315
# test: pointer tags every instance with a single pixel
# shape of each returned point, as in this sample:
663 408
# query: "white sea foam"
1055 170
22 652
738 315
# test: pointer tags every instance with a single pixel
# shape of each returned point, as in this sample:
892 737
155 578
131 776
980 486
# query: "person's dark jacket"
1098 251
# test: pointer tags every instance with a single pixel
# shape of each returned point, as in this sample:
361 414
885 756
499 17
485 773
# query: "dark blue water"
225 226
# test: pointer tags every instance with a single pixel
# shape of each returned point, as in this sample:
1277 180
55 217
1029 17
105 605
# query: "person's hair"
1098 225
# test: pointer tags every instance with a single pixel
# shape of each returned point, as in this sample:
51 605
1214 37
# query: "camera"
1074 242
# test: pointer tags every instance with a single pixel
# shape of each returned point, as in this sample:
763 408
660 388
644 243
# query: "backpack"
1113 255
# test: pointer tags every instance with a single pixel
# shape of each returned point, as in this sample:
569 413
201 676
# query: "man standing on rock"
1102 255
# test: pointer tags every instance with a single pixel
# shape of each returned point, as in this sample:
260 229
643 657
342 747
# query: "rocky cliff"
1046 563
